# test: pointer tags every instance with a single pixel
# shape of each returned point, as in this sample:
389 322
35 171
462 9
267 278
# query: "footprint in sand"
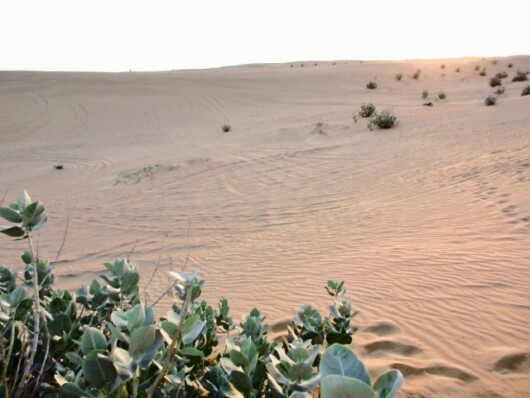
388 346
435 370
513 363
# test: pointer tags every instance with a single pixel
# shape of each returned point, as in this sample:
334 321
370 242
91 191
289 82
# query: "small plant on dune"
494 61
482 72
502 75
442 95
101 341
367 110
425 94
226 128
457 70
500 91
371 85
520 76
383 120
477 68
526 91
399 76
416 75
510 65
490 100
442 66
495 81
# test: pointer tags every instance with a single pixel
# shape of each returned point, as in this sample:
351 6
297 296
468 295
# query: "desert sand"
428 223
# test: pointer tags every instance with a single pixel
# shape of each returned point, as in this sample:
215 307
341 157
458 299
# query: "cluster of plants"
483 72
520 76
102 341
367 109
384 120
490 100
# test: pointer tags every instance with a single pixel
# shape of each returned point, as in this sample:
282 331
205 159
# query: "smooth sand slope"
428 223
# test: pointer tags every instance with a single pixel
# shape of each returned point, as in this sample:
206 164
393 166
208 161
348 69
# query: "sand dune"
428 223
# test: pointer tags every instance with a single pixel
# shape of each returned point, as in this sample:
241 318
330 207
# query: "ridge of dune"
428 223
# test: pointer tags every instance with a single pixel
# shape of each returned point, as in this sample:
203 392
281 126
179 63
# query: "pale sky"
118 35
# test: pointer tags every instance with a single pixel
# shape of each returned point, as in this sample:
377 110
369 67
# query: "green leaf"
192 352
27 258
23 200
71 390
336 386
191 329
17 296
38 222
60 323
241 381
129 282
388 384
74 358
98 369
339 360
32 211
141 339
93 339
300 371
136 317
10 215
14 232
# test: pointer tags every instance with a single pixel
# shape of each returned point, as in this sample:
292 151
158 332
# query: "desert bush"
367 110
425 94
520 76
226 128
510 65
477 67
416 75
399 76
500 91
482 72
457 70
371 85
495 81
490 100
442 95
102 341
383 120
502 75
442 66
526 91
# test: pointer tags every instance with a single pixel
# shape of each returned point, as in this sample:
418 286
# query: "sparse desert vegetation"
442 95
399 76
425 94
416 75
526 91
483 72
371 85
500 91
495 81
384 120
226 128
520 76
490 100
367 110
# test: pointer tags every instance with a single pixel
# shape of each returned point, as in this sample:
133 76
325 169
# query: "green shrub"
520 76
367 110
383 120
442 95
226 128
526 91
399 76
371 85
416 75
490 100
424 94
482 72
102 341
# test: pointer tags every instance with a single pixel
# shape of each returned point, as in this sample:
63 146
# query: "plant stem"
174 344
36 314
